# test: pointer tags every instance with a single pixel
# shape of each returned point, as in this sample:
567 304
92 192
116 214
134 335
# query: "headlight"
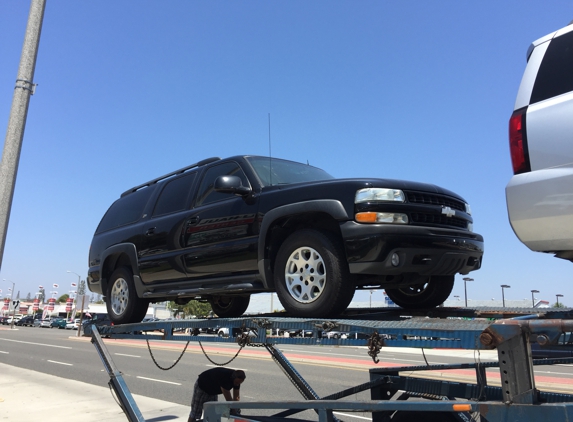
468 209
379 194
382 217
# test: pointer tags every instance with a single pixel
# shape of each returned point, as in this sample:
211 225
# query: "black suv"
221 230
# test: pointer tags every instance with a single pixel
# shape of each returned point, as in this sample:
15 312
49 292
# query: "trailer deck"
395 397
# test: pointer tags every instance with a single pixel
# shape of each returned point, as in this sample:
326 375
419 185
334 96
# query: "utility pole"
18 113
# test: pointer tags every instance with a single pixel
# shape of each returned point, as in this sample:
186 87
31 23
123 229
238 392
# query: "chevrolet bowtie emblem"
448 211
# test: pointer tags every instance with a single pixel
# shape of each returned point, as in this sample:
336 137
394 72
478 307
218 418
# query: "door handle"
150 231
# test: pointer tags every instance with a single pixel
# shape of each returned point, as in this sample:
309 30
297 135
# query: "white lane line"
60 363
152 379
36 344
6 353
565 375
129 356
352 416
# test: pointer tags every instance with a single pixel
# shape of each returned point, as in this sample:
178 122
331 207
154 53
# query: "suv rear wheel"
429 294
311 275
229 306
123 305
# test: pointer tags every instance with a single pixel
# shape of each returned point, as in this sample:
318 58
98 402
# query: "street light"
79 277
466 279
558 296
504 286
79 280
533 298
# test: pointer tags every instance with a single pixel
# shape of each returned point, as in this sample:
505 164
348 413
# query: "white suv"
540 194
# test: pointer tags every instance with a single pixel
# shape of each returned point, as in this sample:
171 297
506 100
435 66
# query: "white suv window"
555 75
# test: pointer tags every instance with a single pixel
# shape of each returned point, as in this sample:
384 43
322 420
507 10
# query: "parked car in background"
43 323
3 320
334 334
223 229
540 194
356 335
27 321
59 323
234 332
295 333
73 324
15 317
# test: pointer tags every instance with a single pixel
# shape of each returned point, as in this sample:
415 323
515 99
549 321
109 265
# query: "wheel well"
285 226
112 262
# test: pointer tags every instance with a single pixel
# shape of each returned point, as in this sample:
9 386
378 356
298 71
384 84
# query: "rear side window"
174 195
125 210
555 75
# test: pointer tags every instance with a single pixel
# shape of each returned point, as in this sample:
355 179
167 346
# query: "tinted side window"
555 76
125 210
206 192
174 195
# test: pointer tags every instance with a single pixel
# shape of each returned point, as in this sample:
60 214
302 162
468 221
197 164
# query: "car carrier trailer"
394 396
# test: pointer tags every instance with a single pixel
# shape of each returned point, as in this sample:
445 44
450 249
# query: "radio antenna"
270 154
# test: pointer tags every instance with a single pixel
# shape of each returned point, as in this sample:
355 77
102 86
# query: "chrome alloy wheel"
305 275
119 296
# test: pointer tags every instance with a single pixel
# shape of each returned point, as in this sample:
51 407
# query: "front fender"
332 207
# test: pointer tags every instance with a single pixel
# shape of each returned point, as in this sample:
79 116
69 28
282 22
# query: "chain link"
220 364
159 366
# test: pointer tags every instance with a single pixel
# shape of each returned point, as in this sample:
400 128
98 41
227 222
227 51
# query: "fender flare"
332 207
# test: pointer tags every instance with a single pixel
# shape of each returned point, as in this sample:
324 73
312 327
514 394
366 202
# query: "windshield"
272 171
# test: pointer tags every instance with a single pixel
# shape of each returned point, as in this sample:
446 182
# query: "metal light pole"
504 286
18 113
558 296
466 279
533 297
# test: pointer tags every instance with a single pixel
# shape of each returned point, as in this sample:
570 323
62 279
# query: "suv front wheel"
311 275
123 305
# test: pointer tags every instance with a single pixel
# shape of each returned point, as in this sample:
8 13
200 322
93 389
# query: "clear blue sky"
131 90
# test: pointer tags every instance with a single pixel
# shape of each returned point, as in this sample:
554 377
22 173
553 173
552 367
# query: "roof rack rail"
174 173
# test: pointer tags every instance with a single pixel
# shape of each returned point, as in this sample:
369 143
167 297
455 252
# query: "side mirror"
231 184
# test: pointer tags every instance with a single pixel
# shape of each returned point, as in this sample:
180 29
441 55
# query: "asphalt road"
327 369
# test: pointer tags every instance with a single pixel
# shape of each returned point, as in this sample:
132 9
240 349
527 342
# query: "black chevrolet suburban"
223 229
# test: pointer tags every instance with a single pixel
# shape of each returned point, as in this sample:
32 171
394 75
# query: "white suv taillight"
518 142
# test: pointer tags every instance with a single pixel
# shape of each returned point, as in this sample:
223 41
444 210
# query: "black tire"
229 306
123 305
428 294
311 275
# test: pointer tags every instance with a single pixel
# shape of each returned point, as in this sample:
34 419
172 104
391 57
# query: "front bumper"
421 250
